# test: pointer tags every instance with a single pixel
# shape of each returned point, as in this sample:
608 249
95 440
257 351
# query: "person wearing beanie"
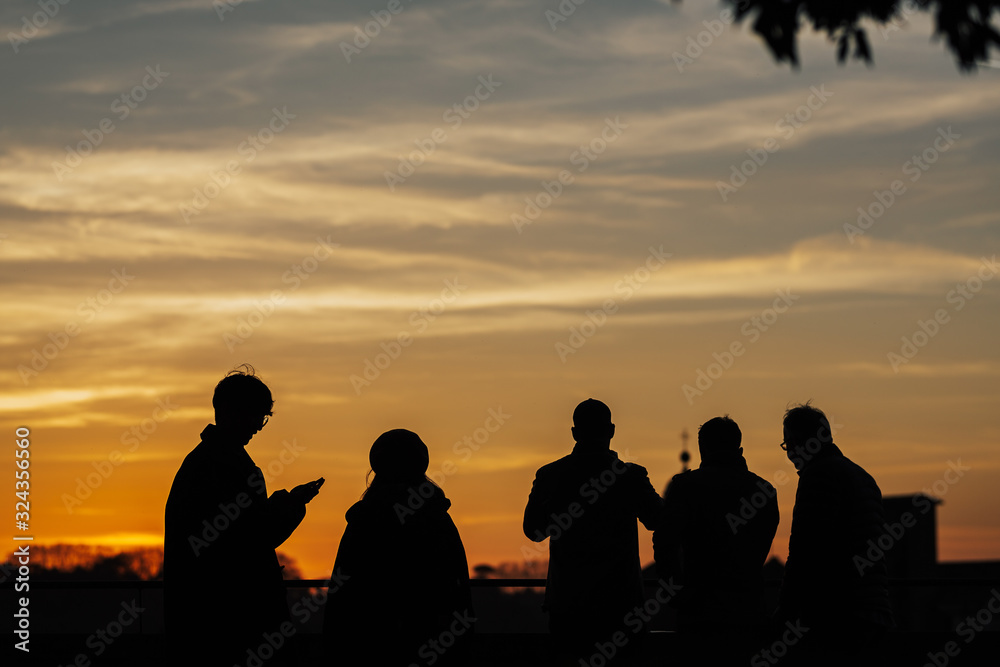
714 535
402 595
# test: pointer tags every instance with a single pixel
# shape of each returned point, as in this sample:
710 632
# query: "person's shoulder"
758 481
634 476
686 477
195 462
849 463
862 476
630 466
637 474
368 516
839 465
555 467
194 478
635 468
357 512
683 481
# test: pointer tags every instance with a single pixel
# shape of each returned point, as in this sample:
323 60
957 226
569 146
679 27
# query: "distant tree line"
82 562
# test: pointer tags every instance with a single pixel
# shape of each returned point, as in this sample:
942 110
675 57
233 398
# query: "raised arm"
649 505
537 510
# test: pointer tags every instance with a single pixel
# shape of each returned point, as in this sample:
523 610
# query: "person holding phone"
222 584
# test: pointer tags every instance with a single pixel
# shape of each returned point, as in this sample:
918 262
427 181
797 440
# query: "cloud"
324 177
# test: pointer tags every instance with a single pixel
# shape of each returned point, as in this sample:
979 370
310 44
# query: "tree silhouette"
82 562
966 25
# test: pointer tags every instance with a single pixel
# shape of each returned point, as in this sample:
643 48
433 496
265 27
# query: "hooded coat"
404 581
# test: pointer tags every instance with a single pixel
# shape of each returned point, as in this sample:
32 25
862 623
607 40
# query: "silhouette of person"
716 530
843 601
587 504
222 583
403 595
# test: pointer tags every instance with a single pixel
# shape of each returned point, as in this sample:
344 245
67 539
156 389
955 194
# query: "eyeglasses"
783 445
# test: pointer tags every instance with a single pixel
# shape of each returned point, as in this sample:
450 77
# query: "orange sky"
559 233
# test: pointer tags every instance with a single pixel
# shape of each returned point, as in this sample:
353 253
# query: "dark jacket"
716 531
405 581
838 508
221 576
587 504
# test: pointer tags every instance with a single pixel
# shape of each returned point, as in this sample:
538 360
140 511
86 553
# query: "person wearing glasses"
832 595
222 584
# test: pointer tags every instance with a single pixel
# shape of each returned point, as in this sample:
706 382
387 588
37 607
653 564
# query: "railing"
90 606
146 584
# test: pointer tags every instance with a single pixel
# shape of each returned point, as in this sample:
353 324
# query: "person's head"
592 425
806 432
399 459
399 456
719 439
242 403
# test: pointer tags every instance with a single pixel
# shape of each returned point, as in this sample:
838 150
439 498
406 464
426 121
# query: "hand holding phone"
306 492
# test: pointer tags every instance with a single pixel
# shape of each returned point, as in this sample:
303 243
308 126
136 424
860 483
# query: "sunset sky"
516 214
